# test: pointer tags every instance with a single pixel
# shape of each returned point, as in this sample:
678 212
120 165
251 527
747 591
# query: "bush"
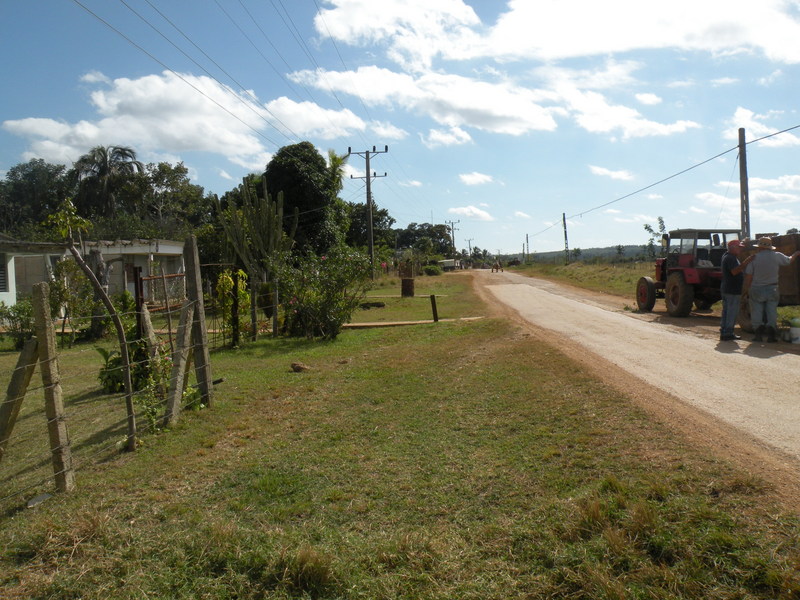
323 292
432 270
18 321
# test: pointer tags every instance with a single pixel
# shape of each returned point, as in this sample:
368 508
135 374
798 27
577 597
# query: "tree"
650 248
100 173
357 233
31 191
438 234
310 186
254 229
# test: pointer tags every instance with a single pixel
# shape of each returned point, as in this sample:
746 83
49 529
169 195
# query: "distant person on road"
731 288
761 281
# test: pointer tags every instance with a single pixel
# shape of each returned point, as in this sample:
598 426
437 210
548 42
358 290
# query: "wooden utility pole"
744 188
566 241
369 178
453 235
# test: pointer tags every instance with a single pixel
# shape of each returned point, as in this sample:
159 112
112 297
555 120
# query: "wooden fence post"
179 363
9 410
194 288
51 380
433 308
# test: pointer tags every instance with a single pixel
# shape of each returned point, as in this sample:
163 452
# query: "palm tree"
100 171
335 171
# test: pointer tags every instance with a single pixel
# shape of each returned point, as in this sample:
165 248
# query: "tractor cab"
697 248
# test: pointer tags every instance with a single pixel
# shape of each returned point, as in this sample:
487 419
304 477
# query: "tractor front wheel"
645 294
679 296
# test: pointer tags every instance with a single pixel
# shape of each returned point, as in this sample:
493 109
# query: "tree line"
124 198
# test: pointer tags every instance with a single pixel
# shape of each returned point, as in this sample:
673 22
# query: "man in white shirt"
761 279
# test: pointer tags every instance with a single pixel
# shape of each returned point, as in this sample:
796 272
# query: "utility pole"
566 242
527 249
453 235
744 191
366 154
469 243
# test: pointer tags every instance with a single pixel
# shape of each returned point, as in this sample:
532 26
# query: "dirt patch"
696 427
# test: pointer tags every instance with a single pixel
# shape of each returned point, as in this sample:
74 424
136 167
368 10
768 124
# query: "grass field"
437 461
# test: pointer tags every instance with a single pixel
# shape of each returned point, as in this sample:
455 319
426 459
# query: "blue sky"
499 116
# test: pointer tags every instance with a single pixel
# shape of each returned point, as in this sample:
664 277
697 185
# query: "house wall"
8 287
30 270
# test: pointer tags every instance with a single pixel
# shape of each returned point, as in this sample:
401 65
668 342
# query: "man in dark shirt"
731 288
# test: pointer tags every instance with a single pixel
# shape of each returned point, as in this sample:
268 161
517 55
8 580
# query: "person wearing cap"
731 289
761 280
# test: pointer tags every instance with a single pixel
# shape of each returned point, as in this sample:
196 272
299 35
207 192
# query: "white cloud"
453 137
771 78
472 212
521 215
156 113
411 183
648 99
756 128
387 131
224 174
95 77
724 81
475 178
305 119
450 100
415 32
603 172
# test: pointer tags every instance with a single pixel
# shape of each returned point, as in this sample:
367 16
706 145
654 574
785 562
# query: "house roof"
140 246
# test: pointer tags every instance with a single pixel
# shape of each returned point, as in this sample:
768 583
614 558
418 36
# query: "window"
3 274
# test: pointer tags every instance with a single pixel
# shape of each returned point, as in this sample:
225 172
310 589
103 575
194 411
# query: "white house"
23 264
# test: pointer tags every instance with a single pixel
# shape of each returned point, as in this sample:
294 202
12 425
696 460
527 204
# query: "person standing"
731 289
761 280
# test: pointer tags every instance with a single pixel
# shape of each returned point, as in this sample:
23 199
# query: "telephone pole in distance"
369 177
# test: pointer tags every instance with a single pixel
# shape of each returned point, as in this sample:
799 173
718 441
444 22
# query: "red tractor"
689 274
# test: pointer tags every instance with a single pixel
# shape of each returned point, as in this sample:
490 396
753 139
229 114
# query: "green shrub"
18 321
323 292
432 270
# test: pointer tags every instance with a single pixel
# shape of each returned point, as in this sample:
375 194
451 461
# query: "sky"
501 119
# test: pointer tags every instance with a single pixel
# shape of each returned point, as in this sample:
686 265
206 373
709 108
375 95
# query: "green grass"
455 460
613 278
450 289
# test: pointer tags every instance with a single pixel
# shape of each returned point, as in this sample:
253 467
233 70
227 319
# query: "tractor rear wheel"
645 294
679 296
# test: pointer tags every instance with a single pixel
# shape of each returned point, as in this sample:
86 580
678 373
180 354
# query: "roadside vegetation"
448 460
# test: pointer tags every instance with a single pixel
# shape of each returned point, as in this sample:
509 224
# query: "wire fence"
96 418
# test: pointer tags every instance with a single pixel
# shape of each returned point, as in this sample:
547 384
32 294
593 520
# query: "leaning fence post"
9 410
179 364
51 381
194 288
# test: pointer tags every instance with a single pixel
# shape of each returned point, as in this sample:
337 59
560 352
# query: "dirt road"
739 398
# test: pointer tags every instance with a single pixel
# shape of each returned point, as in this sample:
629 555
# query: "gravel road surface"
752 387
